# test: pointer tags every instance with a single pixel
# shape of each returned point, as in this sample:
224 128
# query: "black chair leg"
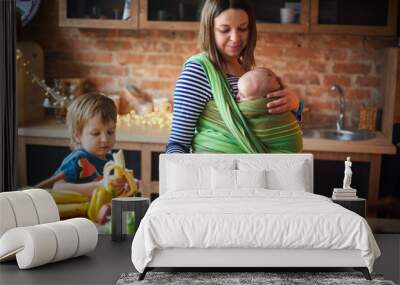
364 271
143 274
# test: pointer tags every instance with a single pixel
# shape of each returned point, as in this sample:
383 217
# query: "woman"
228 37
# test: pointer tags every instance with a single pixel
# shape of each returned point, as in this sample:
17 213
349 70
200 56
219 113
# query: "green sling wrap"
226 126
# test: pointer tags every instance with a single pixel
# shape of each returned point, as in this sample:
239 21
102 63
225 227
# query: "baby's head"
91 120
256 83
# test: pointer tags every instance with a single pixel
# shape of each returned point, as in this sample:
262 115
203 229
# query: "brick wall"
152 61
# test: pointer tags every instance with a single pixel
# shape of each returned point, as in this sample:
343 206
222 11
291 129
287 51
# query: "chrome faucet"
340 119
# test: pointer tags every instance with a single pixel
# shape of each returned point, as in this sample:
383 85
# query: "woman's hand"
284 100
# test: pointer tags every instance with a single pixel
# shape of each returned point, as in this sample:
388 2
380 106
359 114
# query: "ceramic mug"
287 15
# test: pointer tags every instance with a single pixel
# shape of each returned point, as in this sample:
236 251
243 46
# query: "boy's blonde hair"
85 107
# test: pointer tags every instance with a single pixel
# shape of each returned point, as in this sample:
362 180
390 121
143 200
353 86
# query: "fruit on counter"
73 210
66 197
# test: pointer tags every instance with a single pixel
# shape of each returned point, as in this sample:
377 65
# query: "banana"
118 165
103 195
66 197
100 197
119 160
128 173
73 210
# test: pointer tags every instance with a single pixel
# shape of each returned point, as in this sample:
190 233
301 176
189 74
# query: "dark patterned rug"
243 278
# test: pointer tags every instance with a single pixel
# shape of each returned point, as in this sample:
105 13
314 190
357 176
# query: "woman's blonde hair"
211 10
85 107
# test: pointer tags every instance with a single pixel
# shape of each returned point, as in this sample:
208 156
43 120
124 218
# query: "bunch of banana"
70 204
72 210
66 197
103 195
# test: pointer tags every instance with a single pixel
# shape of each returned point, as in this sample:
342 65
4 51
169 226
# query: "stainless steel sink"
341 135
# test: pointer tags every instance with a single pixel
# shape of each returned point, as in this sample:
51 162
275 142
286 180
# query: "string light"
159 118
35 79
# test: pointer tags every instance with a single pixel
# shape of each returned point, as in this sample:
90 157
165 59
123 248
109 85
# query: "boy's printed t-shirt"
81 166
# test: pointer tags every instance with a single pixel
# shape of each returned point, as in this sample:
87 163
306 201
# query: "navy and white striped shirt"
192 93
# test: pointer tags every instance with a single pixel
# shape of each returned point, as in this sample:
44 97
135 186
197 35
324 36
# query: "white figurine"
347 174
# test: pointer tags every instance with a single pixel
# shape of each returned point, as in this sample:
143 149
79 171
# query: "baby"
91 120
256 83
279 133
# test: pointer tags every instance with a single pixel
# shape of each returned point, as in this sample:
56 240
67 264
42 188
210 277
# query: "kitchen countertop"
139 134
378 145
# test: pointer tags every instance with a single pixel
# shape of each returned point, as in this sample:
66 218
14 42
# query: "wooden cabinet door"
177 15
271 19
185 15
101 14
359 17
42 161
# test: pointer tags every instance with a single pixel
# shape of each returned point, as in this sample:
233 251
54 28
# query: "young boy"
256 83
91 120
